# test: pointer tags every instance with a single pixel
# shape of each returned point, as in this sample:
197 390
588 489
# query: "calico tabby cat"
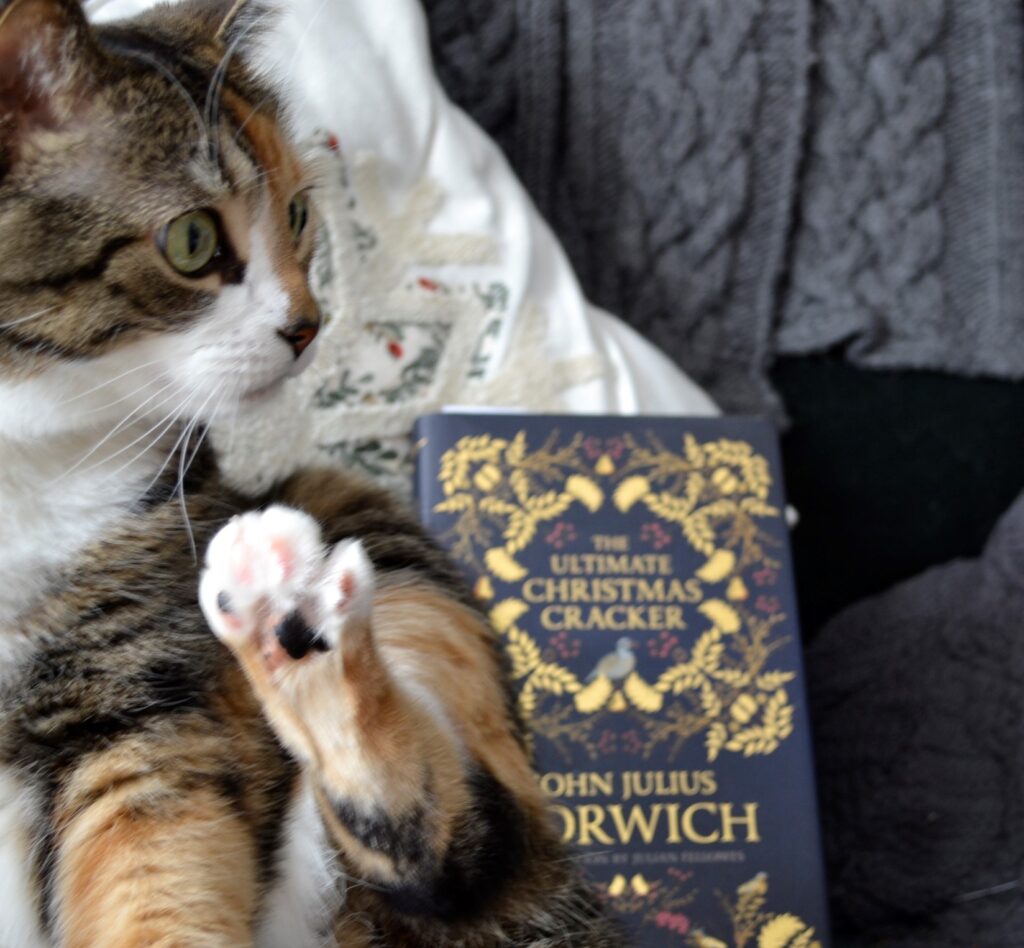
348 769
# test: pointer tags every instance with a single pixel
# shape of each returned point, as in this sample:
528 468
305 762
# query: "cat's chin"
263 393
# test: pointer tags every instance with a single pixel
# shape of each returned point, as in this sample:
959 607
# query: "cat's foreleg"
148 851
360 684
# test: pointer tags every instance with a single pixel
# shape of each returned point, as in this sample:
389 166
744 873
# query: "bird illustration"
617 886
618 664
640 885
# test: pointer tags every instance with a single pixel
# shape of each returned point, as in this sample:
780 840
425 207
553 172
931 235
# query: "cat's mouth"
262 392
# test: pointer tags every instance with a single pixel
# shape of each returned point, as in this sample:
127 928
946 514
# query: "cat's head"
155 224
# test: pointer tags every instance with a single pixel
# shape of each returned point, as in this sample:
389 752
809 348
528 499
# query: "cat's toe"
261 568
346 589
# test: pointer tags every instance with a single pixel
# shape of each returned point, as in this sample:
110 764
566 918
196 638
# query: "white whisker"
211 108
183 465
120 425
29 318
263 101
165 425
111 381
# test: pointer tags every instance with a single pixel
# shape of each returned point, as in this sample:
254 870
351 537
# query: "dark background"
891 472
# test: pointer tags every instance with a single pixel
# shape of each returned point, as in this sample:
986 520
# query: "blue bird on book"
618 664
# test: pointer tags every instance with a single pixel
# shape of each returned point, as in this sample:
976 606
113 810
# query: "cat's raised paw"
273 594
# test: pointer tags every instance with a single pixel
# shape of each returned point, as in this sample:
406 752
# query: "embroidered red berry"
395 348
432 286
333 143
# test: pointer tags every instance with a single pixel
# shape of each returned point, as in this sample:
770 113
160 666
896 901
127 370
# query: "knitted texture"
661 139
909 245
917 698
740 178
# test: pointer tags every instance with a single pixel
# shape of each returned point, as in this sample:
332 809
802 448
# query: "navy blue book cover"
638 573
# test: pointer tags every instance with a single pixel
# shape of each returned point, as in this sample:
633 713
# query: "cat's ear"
47 62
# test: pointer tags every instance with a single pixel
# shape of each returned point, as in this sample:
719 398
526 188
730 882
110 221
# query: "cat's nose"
300 334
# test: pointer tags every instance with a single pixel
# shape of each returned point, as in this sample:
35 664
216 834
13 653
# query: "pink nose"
300 334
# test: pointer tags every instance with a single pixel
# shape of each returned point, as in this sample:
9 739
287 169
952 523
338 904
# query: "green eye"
191 241
298 216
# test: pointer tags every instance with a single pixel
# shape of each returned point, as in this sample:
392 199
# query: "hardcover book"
637 571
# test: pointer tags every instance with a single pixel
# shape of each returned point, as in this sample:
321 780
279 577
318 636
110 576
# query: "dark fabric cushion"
891 472
917 698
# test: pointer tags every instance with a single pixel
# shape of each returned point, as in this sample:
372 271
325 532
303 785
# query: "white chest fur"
50 510
19 920
48 514
309 891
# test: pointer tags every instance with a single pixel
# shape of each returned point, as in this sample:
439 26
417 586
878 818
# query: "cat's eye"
298 215
191 242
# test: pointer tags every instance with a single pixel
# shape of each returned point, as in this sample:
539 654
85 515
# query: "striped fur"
157 787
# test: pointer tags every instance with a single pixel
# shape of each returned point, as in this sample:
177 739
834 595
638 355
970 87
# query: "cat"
321 747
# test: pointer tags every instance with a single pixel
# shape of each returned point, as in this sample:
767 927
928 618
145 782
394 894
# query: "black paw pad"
297 638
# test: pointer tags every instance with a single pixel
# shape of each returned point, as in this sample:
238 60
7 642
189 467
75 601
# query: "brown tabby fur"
163 789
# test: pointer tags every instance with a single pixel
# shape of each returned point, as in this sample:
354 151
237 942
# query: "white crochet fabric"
440 282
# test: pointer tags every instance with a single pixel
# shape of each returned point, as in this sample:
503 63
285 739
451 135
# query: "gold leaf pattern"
770 681
715 740
523 652
500 492
554 679
641 694
724 616
720 565
594 696
780 931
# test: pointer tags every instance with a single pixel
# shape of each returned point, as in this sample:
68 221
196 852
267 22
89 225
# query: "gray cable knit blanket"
745 178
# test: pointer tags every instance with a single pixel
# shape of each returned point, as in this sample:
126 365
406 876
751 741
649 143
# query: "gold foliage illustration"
713 492
594 696
753 925
725 692
720 689
641 695
500 492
